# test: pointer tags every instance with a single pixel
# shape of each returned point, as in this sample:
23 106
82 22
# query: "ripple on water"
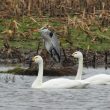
17 95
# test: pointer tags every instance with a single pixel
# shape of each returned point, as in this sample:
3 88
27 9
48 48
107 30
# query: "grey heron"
51 43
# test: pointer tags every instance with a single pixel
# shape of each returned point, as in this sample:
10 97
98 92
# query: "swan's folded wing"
61 83
99 79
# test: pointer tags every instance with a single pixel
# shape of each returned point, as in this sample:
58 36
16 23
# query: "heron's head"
42 29
46 33
77 54
37 59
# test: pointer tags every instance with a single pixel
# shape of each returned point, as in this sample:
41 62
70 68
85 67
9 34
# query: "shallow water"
5 68
16 94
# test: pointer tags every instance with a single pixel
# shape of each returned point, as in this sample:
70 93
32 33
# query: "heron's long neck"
80 68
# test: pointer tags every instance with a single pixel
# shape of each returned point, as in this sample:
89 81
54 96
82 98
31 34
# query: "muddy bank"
91 58
47 72
67 66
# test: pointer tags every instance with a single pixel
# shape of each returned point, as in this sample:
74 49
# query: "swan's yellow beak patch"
33 59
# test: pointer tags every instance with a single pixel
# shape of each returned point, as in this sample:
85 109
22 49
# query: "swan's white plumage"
96 79
62 83
55 83
99 79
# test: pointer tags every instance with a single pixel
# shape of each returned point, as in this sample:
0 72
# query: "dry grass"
91 17
19 8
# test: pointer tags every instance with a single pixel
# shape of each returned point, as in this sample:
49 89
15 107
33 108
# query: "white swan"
55 83
96 79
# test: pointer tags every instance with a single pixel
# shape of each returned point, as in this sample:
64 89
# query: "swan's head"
37 59
77 54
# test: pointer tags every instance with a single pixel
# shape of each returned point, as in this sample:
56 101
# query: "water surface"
16 94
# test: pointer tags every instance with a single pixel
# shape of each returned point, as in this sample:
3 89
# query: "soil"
66 67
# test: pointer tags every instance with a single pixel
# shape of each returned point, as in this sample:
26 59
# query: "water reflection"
18 95
5 68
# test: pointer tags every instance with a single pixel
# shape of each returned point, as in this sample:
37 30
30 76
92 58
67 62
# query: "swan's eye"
36 57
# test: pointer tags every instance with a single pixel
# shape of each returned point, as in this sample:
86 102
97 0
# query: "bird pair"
68 83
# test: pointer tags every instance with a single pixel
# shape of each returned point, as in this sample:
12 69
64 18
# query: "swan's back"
59 83
99 79
64 83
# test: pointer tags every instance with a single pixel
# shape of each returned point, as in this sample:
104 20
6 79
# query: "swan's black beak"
72 55
33 59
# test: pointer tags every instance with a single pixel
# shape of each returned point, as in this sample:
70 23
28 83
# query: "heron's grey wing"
48 45
54 54
52 50
55 43
56 47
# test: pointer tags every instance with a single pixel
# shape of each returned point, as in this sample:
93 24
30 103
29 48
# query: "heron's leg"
53 60
54 55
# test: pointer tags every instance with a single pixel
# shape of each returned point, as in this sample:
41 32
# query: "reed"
60 8
72 20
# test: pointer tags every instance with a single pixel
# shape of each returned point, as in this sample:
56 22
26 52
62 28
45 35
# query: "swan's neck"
39 79
80 68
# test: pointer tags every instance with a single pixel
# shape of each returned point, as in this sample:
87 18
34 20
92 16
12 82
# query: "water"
5 68
16 94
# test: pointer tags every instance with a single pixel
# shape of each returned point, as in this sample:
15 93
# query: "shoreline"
68 64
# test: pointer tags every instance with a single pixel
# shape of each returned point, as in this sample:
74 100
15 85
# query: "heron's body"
51 43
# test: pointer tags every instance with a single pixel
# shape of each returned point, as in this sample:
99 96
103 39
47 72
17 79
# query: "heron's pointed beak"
36 30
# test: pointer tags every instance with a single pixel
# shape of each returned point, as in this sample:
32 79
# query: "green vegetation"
26 36
13 71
